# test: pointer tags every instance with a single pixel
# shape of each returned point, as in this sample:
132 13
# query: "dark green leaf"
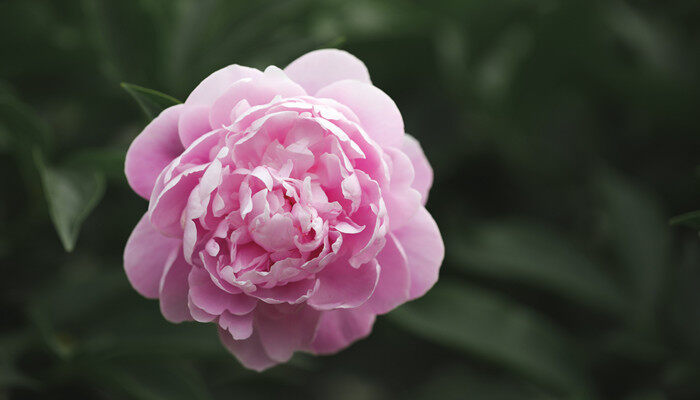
71 195
534 256
691 219
108 161
638 233
485 325
151 101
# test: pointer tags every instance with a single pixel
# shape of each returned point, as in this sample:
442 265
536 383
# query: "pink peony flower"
287 207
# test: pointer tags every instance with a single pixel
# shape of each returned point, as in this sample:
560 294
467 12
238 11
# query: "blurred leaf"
152 102
532 255
106 160
691 220
458 382
148 381
638 234
21 126
71 195
486 325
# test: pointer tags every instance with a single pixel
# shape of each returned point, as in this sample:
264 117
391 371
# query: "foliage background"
563 135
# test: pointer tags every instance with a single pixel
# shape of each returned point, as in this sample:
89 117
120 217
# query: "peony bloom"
285 206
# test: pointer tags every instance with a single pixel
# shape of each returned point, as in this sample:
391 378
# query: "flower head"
285 206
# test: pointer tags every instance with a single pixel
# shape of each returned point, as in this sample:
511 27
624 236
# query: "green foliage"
71 195
691 220
152 102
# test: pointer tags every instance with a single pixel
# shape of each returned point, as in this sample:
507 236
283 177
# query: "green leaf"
151 101
71 195
108 161
637 232
691 220
483 324
532 255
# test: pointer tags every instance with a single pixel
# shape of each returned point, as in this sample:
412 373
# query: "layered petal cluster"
285 206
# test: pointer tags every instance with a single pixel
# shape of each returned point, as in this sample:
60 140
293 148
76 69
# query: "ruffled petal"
249 352
337 329
423 172
285 329
342 286
254 92
421 242
394 279
173 290
153 150
214 300
215 84
146 254
239 326
377 112
320 68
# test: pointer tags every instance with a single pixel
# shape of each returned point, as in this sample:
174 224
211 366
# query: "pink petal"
194 122
173 290
239 326
338 328
255 91
421 241
167 204
320 68
377 112
342 286
249 352
214 300
394 279
146 254
286 331
423 172
152 150
215 84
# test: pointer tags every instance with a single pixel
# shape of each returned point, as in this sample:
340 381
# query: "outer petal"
254 91
173 290
285 329
342 286
320 68
194 122
239 326
377 112
249 352
338 328
424 249
394 279
146 254
152 150
215 84
423 172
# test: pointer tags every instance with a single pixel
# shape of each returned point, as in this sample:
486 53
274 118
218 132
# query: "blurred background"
563 134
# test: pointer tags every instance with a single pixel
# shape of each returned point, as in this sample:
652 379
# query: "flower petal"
249 352
423 172
173 290
342 286
338 328
394 279
239 326
194 122
146 254
320 68
254 91
285 329
421 241
153 150
214 300
215 84
377 112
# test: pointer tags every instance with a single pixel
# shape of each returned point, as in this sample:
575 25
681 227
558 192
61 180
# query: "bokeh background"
563 135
